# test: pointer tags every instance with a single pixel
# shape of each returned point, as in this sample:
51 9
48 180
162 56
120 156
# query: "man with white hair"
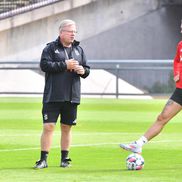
63 62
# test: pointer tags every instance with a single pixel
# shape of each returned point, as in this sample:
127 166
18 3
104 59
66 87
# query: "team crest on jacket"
76 52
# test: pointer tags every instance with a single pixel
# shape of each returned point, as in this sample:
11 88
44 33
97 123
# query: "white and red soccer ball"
134 162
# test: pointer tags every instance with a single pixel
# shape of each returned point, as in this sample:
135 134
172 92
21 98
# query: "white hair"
65 23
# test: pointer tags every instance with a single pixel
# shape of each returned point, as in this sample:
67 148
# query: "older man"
63 62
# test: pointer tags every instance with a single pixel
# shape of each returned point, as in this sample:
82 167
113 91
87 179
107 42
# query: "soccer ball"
134 162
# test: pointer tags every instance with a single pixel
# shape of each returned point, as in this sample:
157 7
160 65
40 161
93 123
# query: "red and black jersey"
178 64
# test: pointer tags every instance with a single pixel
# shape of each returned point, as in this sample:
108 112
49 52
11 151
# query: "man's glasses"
70 31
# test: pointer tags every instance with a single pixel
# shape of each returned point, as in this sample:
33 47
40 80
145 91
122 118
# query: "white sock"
141 141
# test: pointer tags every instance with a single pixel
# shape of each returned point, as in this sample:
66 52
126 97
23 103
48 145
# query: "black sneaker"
65 163
40 164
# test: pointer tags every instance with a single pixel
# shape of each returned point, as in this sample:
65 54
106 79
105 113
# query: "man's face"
67 34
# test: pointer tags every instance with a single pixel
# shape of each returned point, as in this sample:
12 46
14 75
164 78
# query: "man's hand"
71 64
80 70
176 78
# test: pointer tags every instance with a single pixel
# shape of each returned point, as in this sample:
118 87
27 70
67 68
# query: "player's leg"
46 137
172 107
50 114
170 110
46 141
66 136
68 118
66 139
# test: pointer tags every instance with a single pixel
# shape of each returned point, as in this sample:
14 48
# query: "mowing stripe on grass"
76 145
85 145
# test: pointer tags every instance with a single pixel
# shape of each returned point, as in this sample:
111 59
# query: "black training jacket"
61 85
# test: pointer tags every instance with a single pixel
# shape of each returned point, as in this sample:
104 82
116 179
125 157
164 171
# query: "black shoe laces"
67 160
39 162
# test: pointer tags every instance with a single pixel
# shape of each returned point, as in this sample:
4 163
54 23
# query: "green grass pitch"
102 125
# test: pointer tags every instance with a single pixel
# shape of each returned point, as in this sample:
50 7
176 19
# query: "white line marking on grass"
75 134
84 145
166 141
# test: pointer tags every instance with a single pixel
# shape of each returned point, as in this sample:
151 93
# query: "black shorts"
177 96
66 110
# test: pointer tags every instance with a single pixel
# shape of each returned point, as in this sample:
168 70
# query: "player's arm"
83 70
176 65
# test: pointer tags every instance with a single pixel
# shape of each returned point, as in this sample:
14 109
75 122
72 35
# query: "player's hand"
80 70
176 78
71 64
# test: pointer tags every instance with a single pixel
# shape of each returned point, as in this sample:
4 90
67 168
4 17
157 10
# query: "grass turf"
102 125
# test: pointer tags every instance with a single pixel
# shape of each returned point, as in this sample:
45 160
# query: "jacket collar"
59 43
